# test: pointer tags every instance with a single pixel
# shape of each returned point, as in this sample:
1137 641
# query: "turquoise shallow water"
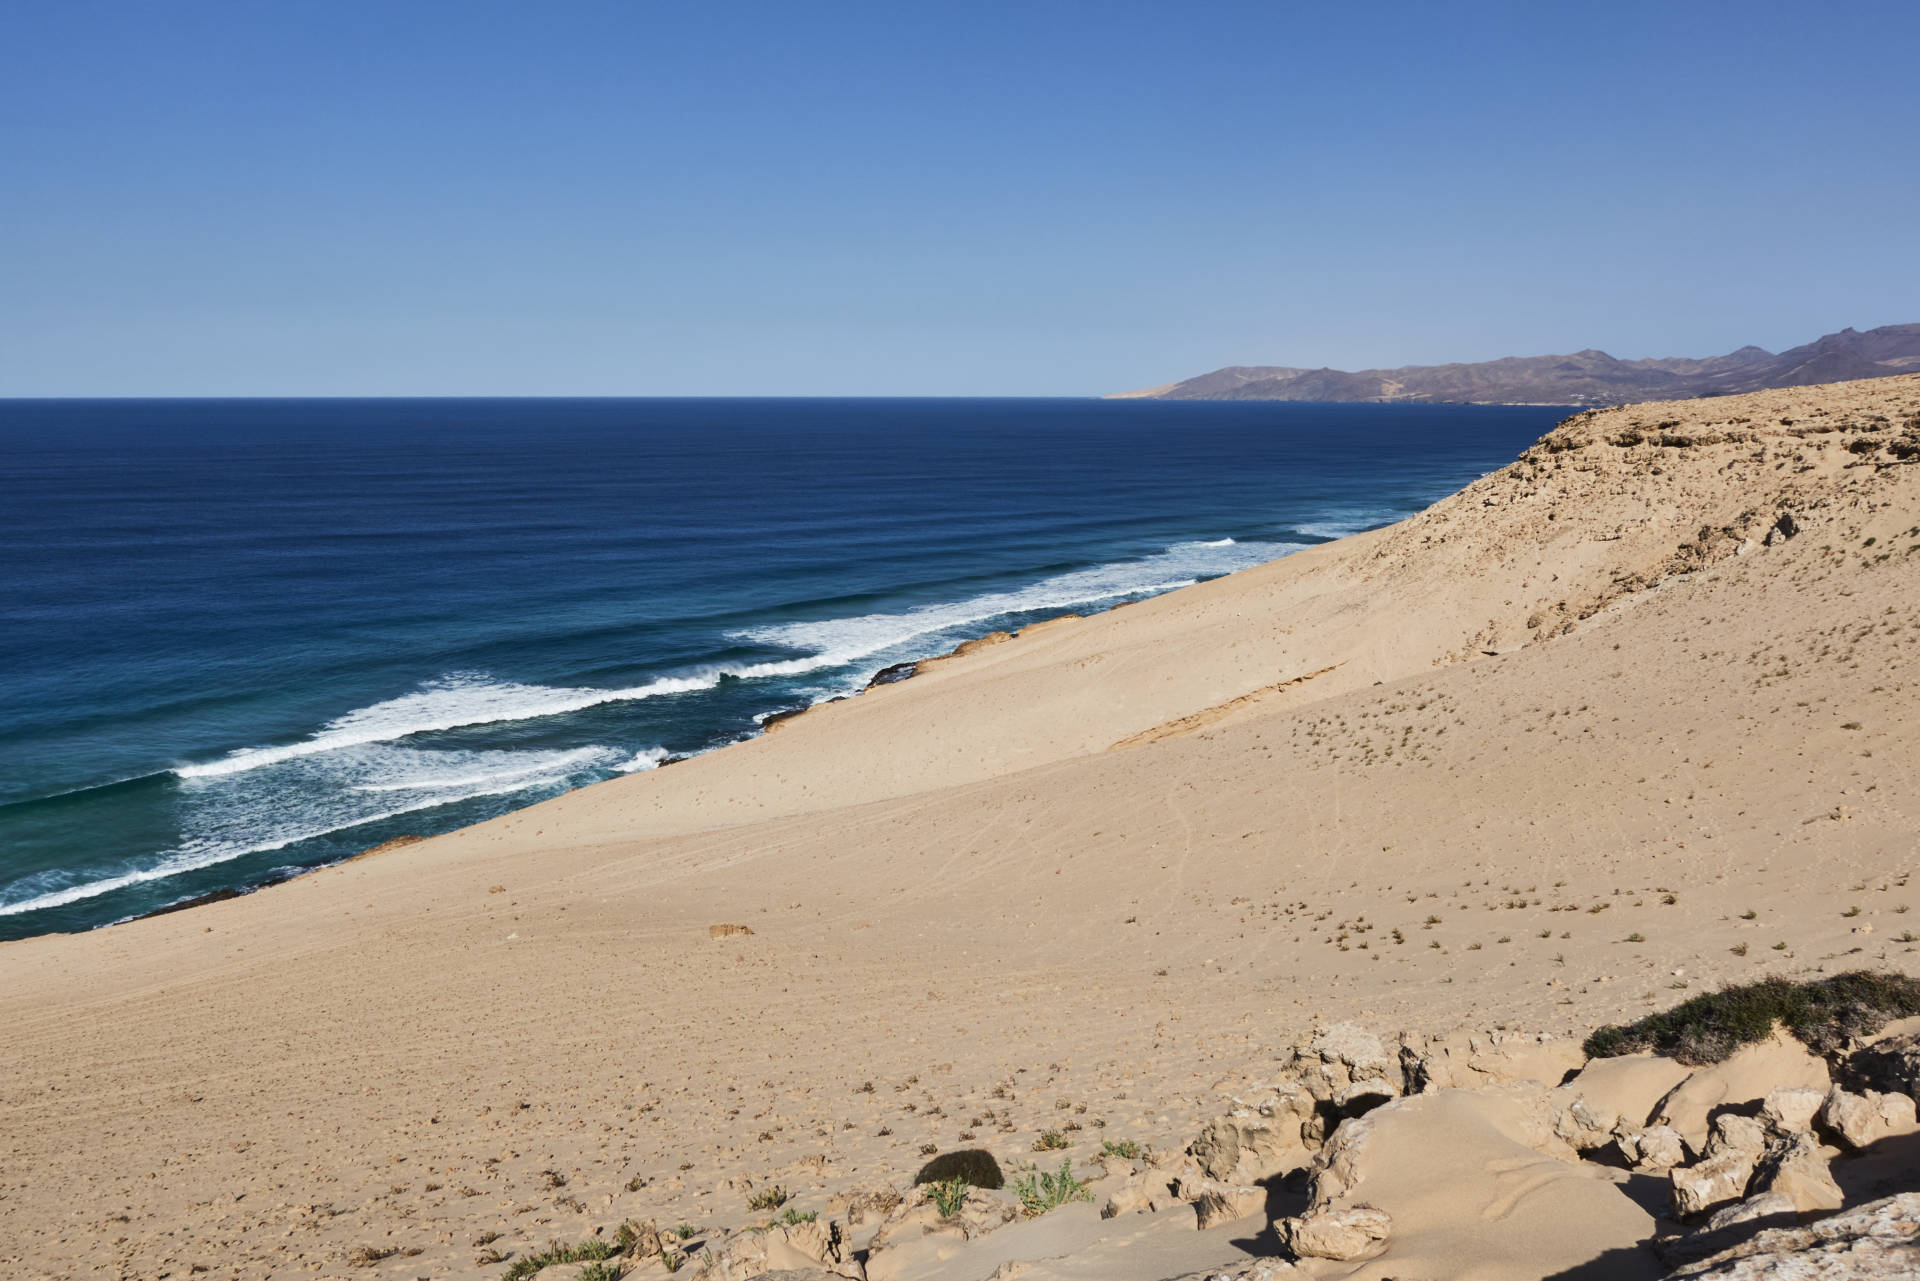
242 638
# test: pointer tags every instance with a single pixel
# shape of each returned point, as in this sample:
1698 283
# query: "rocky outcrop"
1747 1076
1348 1067
1148 1191
1861 1120
1431 1170
1467 1061
1794 1167
801 1247
1216 1203
1726 1166
1261 1137
1891 1066
1653 1150
1878 1241
1351 1232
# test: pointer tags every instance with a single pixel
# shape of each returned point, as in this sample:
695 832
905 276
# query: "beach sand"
1524 760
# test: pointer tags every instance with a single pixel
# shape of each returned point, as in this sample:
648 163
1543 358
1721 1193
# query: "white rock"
1863 1119
1354 1232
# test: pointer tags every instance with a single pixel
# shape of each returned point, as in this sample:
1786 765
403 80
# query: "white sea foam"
451 702
1347 524
644 759
836 642
353 772
225 817
468 699
543 763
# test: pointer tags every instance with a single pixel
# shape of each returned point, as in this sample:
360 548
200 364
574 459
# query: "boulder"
1343 1060
1712 1182
1795 1167
1579 1125
1260 1138
1767 1205
1861 1120
1352 1232
1654 1150
1746 1076
1732 1153
1217 1203
1141 1193
1879 1241
1791 1109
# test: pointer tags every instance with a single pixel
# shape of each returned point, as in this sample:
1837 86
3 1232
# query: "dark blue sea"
243 638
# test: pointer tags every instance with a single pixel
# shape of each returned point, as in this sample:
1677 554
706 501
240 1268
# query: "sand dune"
1527 759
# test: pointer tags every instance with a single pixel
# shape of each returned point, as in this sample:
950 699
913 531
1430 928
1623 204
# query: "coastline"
967 909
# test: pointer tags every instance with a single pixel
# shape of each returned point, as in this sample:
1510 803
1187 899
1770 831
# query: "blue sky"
398 198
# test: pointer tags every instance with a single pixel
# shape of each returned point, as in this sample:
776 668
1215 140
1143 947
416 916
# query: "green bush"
1824 1014
975 1166
1040 1191
949 1195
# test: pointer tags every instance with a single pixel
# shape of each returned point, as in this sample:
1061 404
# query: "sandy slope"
1432 776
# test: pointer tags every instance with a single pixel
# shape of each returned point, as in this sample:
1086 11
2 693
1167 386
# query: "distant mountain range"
1583 378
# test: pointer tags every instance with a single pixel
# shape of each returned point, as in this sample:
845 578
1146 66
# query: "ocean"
239 639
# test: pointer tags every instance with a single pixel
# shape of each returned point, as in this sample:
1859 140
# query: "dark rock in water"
893 675
975 1165
198 900
777 717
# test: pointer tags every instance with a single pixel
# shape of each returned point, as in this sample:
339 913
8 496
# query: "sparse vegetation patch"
1823 1014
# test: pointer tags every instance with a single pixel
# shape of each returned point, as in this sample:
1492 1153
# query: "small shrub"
685 1231
1748 915
1636 937
1038 1191
1823 1014
973 1166
1738 949
770 1198
793 1216
948 1195
600 1272
1125 1149
1052 1141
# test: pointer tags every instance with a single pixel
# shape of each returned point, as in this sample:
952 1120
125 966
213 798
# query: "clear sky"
805 197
